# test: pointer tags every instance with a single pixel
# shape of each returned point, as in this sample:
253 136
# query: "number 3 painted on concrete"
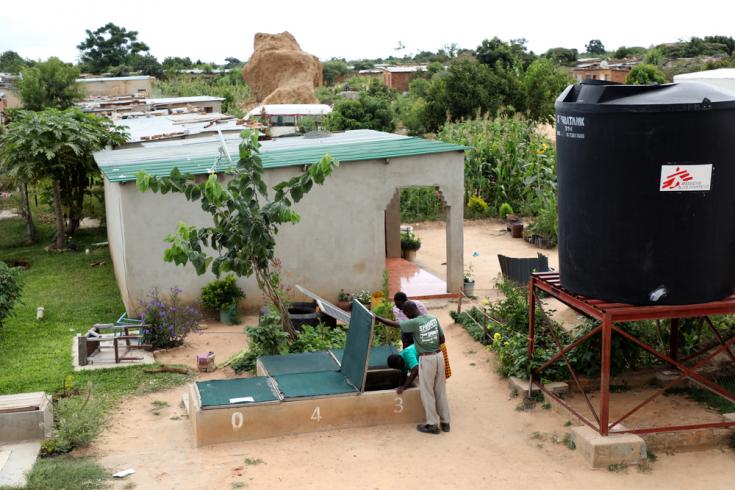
237 421
399 405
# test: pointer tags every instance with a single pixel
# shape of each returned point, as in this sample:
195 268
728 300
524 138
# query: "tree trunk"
30 227
60 229
263 277
76 202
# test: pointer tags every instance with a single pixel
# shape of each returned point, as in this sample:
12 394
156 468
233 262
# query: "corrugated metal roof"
198 156
183 100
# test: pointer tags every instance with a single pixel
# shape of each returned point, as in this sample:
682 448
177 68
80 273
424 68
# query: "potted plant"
469 282
410 243
344 300
223 295
364 298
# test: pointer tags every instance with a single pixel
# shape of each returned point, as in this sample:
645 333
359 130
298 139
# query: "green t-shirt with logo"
426 332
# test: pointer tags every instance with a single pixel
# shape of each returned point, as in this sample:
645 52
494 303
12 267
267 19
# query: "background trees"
11 62
542 84
643 74
52 83
595 46
333 69
109 46
58 145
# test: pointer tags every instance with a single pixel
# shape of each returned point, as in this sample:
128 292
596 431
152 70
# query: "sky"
212 31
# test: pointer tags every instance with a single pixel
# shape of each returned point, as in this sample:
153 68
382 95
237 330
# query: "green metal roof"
122 165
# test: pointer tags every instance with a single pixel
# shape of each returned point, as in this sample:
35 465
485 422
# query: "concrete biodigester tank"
646 183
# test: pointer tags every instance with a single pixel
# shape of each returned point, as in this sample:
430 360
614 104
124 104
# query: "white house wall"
338 244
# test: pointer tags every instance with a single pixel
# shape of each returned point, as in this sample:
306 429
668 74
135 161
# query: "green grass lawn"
36 355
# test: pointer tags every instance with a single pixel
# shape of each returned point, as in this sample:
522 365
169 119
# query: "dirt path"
490 446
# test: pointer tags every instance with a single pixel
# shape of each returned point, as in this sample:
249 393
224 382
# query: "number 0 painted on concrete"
399 405
316 415
237 421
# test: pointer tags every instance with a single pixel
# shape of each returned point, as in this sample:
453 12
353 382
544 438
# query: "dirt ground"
490 445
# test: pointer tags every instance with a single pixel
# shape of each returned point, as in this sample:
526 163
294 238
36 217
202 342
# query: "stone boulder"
279 72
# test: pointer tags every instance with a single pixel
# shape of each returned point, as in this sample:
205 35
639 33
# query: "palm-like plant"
58 145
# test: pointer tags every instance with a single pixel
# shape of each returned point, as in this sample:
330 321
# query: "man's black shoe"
429 429
445 427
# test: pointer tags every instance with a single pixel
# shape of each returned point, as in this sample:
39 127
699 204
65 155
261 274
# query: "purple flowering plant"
167 320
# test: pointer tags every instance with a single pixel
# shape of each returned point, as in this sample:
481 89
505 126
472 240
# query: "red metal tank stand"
610 314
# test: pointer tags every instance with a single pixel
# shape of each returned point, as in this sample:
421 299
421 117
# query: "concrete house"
349 230
114 86
399 77
284 119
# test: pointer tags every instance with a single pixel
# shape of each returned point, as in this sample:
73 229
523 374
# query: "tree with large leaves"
58 145
245 219
109 46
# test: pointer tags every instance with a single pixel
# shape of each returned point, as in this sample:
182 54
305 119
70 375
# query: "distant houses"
605 70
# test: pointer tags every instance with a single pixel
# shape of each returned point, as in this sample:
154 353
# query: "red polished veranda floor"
413 280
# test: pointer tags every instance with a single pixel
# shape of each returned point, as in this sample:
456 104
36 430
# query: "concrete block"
313 414
666 377
602 451
521 386
729 416
558 387
16 460
25 417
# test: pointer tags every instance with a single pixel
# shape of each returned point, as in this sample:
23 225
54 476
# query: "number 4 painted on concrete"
316 415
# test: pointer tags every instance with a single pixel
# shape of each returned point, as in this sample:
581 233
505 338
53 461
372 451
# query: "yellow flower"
497 337
543 149
485 301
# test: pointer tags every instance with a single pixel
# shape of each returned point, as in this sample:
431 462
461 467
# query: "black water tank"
646 192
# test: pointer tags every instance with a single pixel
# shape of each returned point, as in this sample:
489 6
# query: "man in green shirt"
427 337
407 362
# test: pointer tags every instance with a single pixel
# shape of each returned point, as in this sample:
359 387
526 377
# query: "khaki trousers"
433 388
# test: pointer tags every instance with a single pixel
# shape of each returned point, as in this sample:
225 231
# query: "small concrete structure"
25 417
104 357
614 449
521 387
313 414
285 118
348 226
16 460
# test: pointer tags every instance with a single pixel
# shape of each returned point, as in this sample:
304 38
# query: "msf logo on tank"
686 177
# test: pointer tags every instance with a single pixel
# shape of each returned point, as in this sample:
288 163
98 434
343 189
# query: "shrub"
505 210
268 338
384 334
222 293
10 290
167 321
503 327
64 473
363 297
547 221
477 205
78 421
409 241
319 337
